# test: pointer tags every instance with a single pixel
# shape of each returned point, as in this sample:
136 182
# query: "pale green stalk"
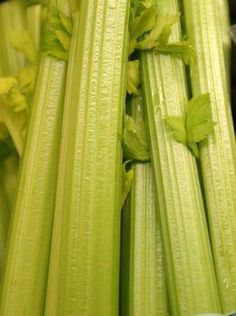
143 287
12 19
25 278
218 154
4 221
84 267
34 15
190 271
222 11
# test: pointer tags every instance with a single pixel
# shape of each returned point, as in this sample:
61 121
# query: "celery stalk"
34 18
12 19
25 277
222 11
218 154
4 216
84 267
190 271
143 288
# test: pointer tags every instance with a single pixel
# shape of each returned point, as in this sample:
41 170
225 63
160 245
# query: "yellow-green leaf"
63 38
23 42
177 127
133 77
134 140
6 84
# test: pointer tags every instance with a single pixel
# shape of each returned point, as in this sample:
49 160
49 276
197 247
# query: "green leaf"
196 126
57 34
17 100
134 140
177 126
6 84
67 23
63 38
170 20
199 123
182 49
159 34
127 179
23 42
133 77
140 24
26 79
150 40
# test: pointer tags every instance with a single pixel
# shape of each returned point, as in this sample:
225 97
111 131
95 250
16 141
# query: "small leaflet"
183 49
6 84
151 31
134 140
196 126
57 35
24 43
133 77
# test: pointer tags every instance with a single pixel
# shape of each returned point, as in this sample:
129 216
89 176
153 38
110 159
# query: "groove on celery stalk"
218 154
190 271
143 290
84 267
25 277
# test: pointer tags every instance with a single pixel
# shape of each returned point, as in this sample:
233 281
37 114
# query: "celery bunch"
117 158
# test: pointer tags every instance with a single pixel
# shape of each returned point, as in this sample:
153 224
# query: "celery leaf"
199 123
23 42
6 84
57 34
183 49
134 140
177 126
196 126
133 77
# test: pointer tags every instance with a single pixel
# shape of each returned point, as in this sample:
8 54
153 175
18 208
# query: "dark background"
232 4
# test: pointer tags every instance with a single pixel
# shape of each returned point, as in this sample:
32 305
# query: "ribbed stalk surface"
143 283
218 154
25 278
84 267
190 271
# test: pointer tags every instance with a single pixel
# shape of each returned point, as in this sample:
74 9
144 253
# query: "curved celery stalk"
25 278
84 267
143 288
190 271
218 155
12 19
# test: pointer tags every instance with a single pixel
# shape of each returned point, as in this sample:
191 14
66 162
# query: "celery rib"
143 288
190 271
218 155
84 263
12 19
25 276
